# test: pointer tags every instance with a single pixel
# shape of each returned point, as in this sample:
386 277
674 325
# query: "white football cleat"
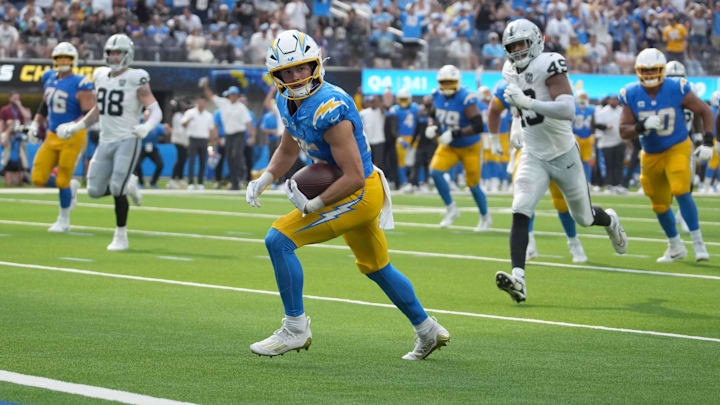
283 340
515 286
450 216
577 251
615 231
428 342
681 221
74 186
119 242
484 224
60 225
673 253
531 250
701 253
407 188
133 191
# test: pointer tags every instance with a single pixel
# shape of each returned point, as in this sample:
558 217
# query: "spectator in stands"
715 33
357 36
461 54
698 31
244 14
195 45
555 6
625 59
493 52
384 42
31 7
675 37
9 38
596 54
103 5
218 45
579 25
483 15
50 26
259 42
560 27
463 23
200 129
297 12
320 12
412 24
576 55
34 39
190 21
237 43
222 17
618 26
14 159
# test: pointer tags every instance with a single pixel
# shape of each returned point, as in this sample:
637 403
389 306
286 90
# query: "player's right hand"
32 132
653 122
516 139
495 146
67 130
431 131
203 82
256 187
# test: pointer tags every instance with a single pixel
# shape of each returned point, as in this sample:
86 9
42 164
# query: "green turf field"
173 317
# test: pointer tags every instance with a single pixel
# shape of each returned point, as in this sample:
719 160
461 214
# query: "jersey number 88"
110 102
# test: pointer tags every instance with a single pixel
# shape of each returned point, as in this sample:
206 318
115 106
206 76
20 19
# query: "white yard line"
84 390
176 258
397 223
359 302
396 251
76 259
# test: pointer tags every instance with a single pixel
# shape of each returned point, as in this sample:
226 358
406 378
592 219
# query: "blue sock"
288 271
503 172
710 173
588 172
65 197
51 181
667 221
689 211
480 199
400 291
442 186
532 222
402 175
568 224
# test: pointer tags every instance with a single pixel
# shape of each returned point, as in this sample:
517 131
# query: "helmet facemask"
650 76
302 88
519 58
116 59
66 67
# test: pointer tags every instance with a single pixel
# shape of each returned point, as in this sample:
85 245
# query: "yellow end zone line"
394 251
359 302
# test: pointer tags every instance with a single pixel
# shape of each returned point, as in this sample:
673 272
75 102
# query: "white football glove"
68 129
203 82
704 153
516 137
515 96
410 157
495 146
32 132
653 122
446 137
295 195
141 130
717 148
256 187
431 131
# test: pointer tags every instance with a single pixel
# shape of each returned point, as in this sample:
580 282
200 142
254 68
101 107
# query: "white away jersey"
544 137
118 103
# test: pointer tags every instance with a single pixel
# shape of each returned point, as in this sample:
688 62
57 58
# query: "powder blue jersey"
667 104
406 118
583 121
61 97
505 116
324 109
450 114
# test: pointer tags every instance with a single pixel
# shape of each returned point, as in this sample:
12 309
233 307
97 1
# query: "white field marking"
358 302
4 234
551 256
80 233
89 391
398 223
266 257
76 259
176 258
395 251
238 233
631 255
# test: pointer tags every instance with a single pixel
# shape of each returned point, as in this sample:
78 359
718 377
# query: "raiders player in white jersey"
539 88
121 94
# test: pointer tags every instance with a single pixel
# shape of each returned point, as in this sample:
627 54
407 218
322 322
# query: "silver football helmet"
522 30
675 69
122 43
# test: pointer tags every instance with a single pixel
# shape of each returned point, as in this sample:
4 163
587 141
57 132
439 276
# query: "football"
313 179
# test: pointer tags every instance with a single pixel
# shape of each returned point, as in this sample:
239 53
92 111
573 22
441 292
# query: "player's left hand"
295 195
495 146
141 130
515 96
66 130
446 137
704 153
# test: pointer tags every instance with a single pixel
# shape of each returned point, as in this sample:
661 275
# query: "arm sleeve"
155 114
562 108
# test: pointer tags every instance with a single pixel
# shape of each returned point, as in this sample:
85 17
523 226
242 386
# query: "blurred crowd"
598 36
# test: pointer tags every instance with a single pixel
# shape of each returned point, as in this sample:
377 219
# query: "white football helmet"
292 48
582 98
675 69
650 67
485 93
523 30
715 99
403 98
448 80
64 49
122 43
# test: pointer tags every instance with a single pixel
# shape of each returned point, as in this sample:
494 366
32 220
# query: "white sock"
451 206
518 273
65 214
574 239
296 324
696 236
121 230
675 241
424 326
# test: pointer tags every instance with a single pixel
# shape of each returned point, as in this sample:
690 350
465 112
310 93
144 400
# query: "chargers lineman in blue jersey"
122 93
406 114
459 122
497 106
539 87
321 119
583 127
66 96
653 110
